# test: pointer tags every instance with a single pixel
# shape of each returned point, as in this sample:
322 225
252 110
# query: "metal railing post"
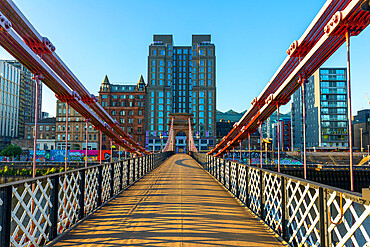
247 186
229 175
5 215
323 222
128 172
284 219
262 201
54 209
81 199
237 180
111 179
100 185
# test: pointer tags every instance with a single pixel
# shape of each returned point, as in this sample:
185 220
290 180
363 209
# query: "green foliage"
11 151
6 171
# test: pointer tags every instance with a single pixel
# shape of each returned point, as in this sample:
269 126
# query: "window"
139 120
154 52
131 121
104 96
122 120
122 113
114 113
130 113
209 52
163 52
140 113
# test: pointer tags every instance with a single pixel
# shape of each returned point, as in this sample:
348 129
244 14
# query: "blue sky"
95 38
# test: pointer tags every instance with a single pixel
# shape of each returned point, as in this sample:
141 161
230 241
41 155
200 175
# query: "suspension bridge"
168 199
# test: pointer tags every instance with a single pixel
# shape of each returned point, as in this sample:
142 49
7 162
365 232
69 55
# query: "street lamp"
161 137
197 136
362 149
368 154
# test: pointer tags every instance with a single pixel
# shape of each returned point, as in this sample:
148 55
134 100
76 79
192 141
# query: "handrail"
296 209
55 203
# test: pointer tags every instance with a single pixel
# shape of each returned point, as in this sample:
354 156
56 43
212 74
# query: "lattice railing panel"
272 203
36 211
344 219
352 227
243 183
30 214
106 182
222 167
233 178
227 184
303 213
91 189
124 174
117 178
68 196
254 190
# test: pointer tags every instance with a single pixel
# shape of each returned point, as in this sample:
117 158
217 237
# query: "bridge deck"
178 204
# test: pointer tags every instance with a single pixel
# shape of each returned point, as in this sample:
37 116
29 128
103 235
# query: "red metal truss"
322 38
37 53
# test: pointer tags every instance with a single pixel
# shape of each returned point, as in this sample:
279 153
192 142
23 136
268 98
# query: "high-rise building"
181 79
10 77
27 97
126 104
326 111
76 130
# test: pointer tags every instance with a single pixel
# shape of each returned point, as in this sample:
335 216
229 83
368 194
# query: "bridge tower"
180 123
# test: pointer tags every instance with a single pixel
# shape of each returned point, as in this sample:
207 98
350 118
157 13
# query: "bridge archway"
180 137
181 141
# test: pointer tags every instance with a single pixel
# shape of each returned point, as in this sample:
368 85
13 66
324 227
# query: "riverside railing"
302 212
35 211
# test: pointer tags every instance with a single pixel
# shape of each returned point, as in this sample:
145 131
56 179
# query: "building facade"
45 135
76 130
181 79
284 133
10 78
326 111
27 98
361 130
126 104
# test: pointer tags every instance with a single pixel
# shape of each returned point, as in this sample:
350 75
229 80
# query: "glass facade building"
326 111
181 79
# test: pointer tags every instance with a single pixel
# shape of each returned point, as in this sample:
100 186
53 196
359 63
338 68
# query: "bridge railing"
35 211
302 212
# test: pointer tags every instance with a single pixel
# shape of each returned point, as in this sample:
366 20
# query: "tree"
11 151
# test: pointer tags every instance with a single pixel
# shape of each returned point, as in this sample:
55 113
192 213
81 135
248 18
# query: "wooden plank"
178 204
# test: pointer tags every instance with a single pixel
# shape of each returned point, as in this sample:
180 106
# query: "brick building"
76 131
126 104
45 135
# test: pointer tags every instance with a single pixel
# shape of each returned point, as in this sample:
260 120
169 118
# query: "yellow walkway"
178 204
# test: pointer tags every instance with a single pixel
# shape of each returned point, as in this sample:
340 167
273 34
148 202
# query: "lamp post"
161 137
197 136
362 148
368 154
